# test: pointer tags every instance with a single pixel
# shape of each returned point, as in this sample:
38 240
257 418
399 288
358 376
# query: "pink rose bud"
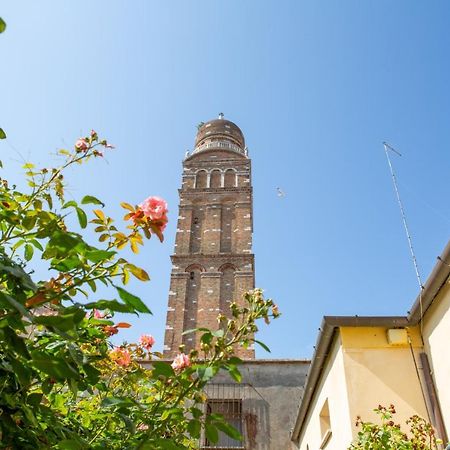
82 144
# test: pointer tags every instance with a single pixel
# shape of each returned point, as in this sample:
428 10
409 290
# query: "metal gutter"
435 281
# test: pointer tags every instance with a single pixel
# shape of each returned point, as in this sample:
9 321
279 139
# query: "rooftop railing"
220 144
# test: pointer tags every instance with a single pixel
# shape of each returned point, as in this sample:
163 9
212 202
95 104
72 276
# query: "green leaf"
211 433
29 250
67 264
71 203
93 374
132 300
99 255
118 402
235 374
34 399
129 424
15 342
235 360
22 372
196 412
6 301
163 444
53 366
218 333
206 373
29 222
63 322
194 427
91 199
2 133
21 276
37 244
82 218
112 305
64 242
228 430
162 368
69 444
264 346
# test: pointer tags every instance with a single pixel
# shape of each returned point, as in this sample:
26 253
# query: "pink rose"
98 314
154 208
181 361
82 144
120 356
147 341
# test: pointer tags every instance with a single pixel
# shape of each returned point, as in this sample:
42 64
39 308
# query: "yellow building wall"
379 373
436 333
331 387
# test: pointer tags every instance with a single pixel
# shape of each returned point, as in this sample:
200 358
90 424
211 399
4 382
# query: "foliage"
388 435
62 385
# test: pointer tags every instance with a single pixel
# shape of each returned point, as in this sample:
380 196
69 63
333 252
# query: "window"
231 410
230 178
192 275
325 424
216 179
201 179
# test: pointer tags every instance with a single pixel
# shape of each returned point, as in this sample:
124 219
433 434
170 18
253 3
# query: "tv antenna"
387 149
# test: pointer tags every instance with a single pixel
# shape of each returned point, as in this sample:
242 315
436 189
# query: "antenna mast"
387 147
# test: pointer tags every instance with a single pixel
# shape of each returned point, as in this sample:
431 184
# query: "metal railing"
220 144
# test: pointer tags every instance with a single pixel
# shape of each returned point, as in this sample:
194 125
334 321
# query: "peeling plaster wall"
273 389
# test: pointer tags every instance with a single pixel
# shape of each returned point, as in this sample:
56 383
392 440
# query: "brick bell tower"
212 264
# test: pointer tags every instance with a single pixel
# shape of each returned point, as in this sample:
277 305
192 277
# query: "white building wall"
332 387
436 334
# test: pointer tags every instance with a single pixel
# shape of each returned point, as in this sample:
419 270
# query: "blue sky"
315 86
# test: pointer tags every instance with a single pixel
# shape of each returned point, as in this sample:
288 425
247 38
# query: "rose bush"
62 384
388 435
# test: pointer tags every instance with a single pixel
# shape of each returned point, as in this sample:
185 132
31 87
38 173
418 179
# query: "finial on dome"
221 116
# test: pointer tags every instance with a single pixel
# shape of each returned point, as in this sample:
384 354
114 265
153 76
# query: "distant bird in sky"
280 193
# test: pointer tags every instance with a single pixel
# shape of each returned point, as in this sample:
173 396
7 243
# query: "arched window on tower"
230 178
216 179
201 179
191 308
226 289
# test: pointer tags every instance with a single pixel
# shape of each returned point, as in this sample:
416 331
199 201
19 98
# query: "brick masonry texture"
212 264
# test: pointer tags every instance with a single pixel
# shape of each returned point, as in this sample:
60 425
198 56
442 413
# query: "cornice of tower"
190 256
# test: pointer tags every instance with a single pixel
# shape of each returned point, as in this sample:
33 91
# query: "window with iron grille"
231 410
